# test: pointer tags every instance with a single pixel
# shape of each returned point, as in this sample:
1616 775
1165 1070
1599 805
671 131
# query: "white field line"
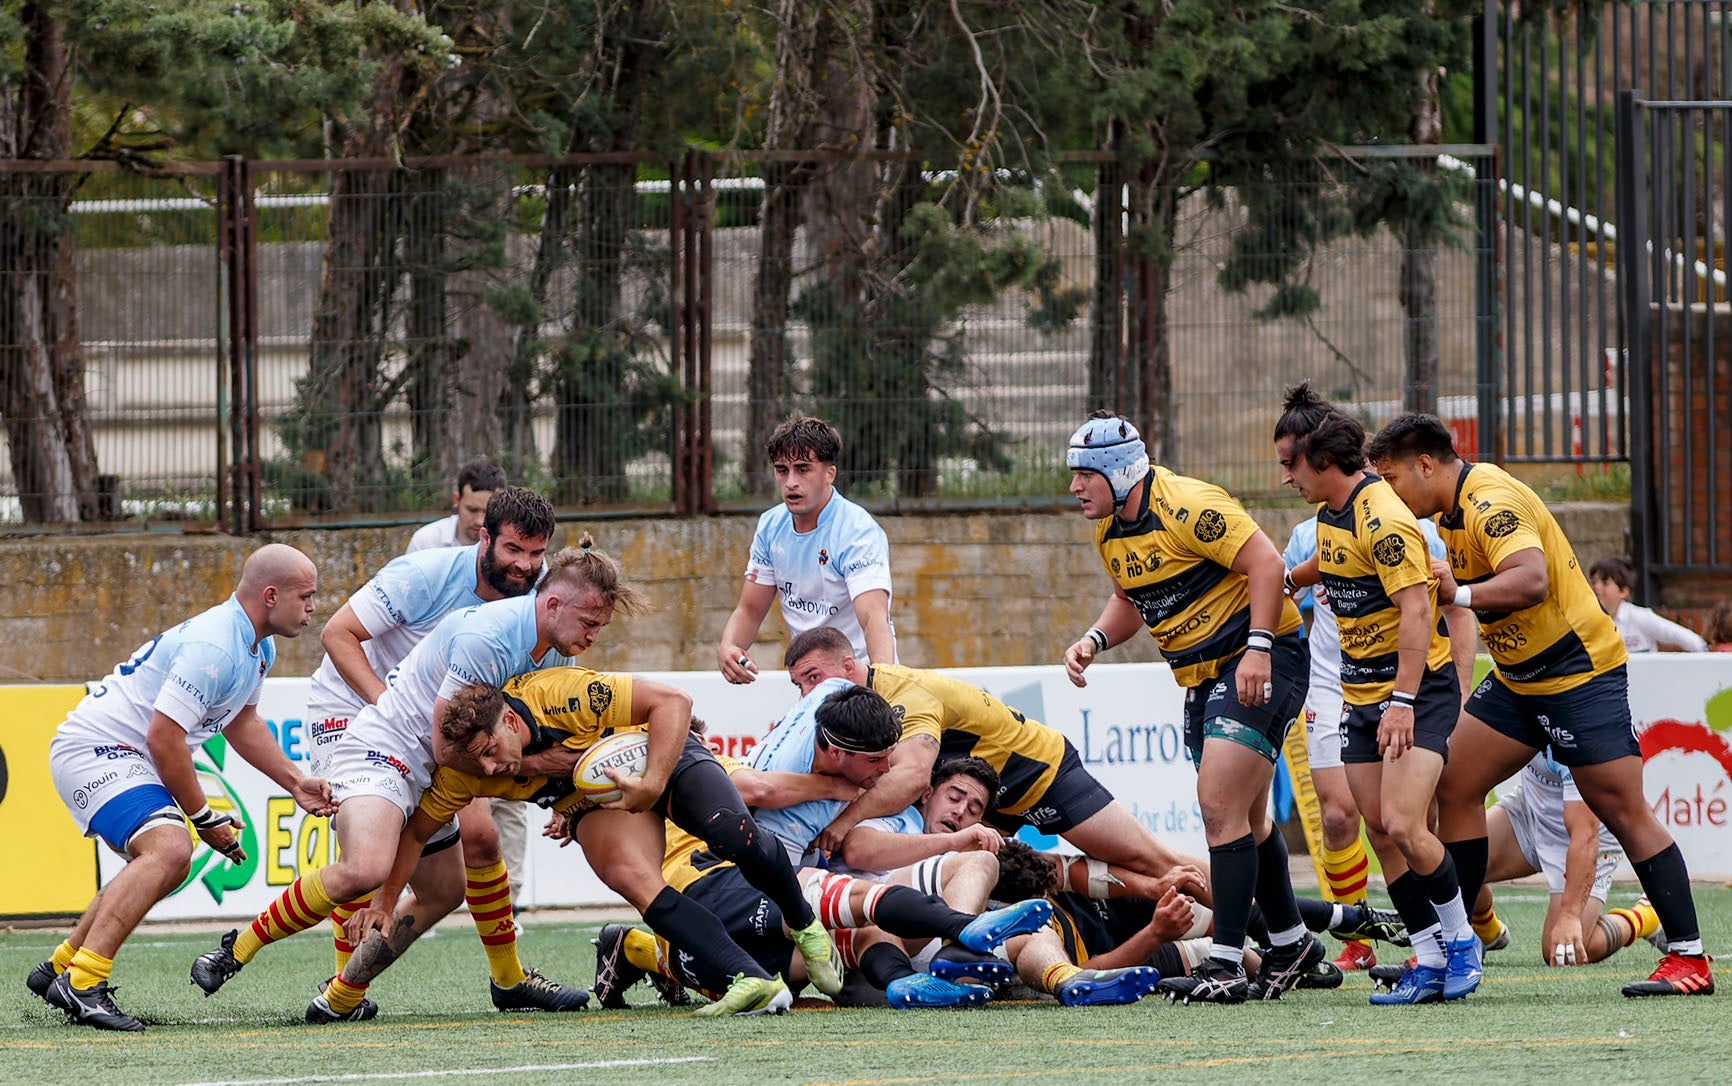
374 1076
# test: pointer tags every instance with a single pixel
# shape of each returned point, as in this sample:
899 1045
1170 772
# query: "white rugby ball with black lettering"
625 752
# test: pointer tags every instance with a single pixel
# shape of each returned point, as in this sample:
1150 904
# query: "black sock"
882 963
1666 881
1275 884
903 910
1168 961
1470 860
1233 878
703 802
704 955
1440 886
1256 927
1317 914
1409 899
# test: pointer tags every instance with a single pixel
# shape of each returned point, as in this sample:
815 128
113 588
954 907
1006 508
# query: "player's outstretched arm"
249 737
872 608
899 788
1171 920
377 915
342 639
774 789
733 654
1119 621
867 848
1568 943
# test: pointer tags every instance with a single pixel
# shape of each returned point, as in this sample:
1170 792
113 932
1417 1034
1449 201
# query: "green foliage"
883 365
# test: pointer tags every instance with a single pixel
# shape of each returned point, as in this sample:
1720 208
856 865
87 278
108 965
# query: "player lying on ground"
876 925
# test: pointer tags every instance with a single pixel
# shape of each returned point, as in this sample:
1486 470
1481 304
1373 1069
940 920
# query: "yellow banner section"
50 867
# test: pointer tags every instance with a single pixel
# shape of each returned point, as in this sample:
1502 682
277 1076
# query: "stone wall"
971 589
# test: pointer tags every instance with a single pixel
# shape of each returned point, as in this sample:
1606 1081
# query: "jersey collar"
1454 519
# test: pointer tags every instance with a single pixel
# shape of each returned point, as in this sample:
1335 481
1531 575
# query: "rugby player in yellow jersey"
867 918
1189 563
1559 677
1401 689
1042 780
487 733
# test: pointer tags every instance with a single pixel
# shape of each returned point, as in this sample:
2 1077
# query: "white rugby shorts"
1546 848
327 723
88 775
1323 711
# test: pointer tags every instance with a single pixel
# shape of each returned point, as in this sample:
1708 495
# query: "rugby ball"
625 752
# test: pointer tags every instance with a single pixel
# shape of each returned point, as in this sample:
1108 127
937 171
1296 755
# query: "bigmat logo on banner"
1126 725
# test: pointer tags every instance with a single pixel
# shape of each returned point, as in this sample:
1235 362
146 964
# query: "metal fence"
295 342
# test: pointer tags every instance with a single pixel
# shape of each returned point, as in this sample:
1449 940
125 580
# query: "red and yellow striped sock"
1056 974
1641 918
89 969
63 955
1486 925
339 933
489 896
343 997
1345 871
303 905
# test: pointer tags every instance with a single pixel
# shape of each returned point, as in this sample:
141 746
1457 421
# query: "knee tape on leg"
168 816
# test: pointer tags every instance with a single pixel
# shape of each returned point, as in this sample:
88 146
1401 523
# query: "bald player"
122 763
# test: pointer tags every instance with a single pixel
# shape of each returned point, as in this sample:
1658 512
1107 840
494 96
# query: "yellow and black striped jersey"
1560 642
1093 926
570 707
1367 551
966 720
1174 562
686 859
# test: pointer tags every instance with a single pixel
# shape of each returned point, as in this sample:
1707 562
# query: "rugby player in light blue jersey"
122 762
824 556
369 636
386 759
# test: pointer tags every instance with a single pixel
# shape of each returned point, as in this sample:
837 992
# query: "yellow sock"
303 905
1345 871
89 969
1056 974
1486 925
343 997
339 935
1641 918
63 955
489 896
640 951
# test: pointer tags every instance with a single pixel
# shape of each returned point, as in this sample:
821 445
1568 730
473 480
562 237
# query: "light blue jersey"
200 674
817 574
789 749
398 607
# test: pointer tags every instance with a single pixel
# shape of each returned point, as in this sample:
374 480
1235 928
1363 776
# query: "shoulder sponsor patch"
1390 550
1501 523
1211 525
600 697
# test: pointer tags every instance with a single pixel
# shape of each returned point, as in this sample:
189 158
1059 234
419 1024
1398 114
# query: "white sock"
1233 955
1684 946
1428 946
1337 915
1453 916
1287 938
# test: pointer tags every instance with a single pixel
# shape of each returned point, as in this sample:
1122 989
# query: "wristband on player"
1463 596
1287 582
1099 638
1401 697
206 819
1259 641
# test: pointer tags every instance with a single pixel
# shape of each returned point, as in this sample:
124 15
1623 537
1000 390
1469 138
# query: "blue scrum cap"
1112 448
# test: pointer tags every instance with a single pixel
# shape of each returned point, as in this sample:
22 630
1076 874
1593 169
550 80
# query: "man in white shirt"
824 556
1641 629
475 484
122 763
386 759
